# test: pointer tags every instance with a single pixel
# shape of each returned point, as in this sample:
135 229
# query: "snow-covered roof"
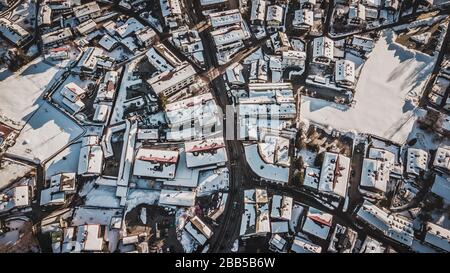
375 174
210 151
258 196
56 36
131 26
441 187
303 17
91 160
334 174
88 236
228 35
266 171
15 198
278 242
225 18
396 227
345 71
13 32
279 227
312 176
317 223
258 11
438 236
174 80
442 158
212 2
274 14
86 27
101 112
155 163
416 161
177 198
72 91
107 42
301 245
86 9
275 150
281 207
323 47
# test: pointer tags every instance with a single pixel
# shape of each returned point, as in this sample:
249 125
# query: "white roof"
198 229
438 236
303 17
416 161
210 151
334 174
281 207
158 61
442 158
312 176
91 160
72 91
101 112
12 31
345 71
258 11
228 35
375 174
56 36
301 245
107 42
177 198
86 27
212 2
86 9
169 79
279 227
131 26
266 171
323 47
274 13
88 238
441 187
225 18
393 226
278 242
318 223
155 163
258 196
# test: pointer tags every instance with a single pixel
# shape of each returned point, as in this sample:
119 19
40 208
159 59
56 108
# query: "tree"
162 100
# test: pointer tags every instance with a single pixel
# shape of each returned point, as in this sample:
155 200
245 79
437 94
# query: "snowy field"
391 81
47 131
20 92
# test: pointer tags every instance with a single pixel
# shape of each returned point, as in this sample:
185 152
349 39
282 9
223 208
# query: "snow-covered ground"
20 92
391 79
47 131
65 161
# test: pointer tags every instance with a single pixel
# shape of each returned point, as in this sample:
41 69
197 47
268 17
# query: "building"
155 163
177 198
334 174
146 37
317 223
274 16
441 187
416 161
91 157
442 159
172 13
86 27
375 175
56 37
393 226
13 32
84 238
277 244
200 231
293 58
303 19
344 73
323 50
87 11
210 151
73 96
343 240
437 237
301 245
255 221
169 83
61 185
107 88
258 12
15 198
281 207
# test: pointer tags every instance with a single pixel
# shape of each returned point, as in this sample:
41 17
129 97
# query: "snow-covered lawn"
20 92
47 131
391 79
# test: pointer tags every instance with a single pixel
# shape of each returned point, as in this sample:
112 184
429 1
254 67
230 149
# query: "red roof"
213 146
172 159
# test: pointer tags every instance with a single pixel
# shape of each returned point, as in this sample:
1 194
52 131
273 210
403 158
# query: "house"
370 245
293 58
169 83
210 151
177 198
441 187
317 223
56 37
344 73
73 96
200 231
107 88
277 244
281 207
255 221
13 32
312 176
91 157
172 13
437 237
416 161
146 37
343 240
303 19
375 175
356 14
301 245
155 163
274 16
61 185
87 11
258 12
442 159
334 174
84 238
15 198
86 27
391 225
323 50
102 112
